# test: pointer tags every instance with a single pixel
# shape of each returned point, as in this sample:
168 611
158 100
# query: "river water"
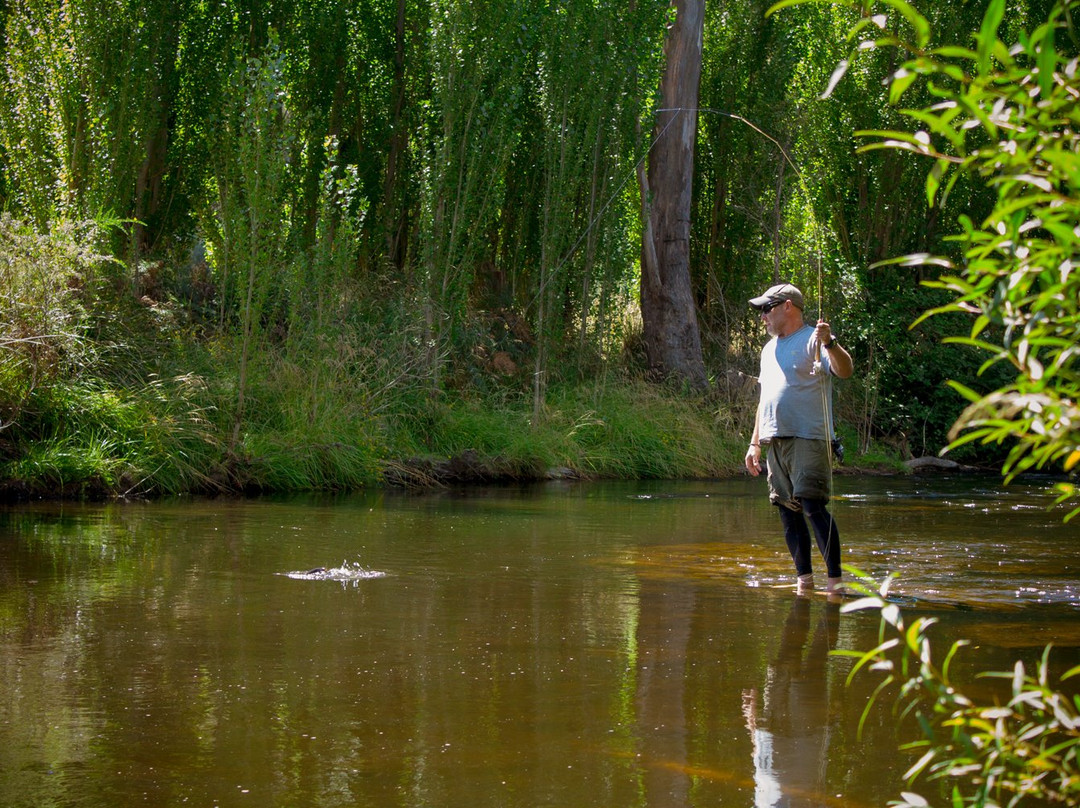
564 645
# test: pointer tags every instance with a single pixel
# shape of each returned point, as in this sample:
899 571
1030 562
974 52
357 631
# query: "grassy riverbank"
302 432
307 429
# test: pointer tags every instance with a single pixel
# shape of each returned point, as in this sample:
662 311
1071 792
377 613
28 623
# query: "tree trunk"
148 187
669 318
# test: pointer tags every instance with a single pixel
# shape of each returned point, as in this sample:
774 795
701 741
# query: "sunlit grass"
71 464
633 429
625 429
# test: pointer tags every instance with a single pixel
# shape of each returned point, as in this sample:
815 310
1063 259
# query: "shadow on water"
562 645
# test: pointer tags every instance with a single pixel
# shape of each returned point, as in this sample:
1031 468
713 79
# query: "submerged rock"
931 463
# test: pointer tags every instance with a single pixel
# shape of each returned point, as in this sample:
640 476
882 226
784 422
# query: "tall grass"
325 418
84 437
44 283
622 429
634 429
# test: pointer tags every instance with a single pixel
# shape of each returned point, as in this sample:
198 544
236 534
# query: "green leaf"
1003 55
933 180
939 124
955 52
834 79
872 656
974 436
915 260
987 36
972 106
883 133
926 315
1047 59
914 772
956 646
869 602
1063 234
901 80
953 178
884 683
974 343
966 392
981 322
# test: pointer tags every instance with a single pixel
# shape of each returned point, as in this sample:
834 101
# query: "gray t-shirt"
793 396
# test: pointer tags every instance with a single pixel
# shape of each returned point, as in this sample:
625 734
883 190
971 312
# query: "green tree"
87 108
246 206
782 193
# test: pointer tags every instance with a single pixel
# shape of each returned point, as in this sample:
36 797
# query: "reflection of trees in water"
663 636
790 730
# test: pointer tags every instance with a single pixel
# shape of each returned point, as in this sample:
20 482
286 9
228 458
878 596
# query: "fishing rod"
802 184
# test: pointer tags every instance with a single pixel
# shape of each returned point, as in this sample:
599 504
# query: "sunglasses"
770 306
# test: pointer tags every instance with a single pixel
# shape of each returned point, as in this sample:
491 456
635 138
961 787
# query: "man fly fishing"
794 420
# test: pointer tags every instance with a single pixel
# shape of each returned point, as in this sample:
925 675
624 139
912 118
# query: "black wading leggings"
797 536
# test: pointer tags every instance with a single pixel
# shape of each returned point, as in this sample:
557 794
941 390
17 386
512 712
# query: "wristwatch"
829 344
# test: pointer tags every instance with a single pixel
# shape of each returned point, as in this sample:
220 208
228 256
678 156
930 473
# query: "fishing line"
826 404
637 164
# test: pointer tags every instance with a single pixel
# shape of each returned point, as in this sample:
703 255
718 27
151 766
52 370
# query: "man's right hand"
753 460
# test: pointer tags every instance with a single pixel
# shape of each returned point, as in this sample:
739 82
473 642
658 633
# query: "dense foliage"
333 219
1005 116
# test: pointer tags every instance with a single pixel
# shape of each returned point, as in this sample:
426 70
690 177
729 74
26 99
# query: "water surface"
615 644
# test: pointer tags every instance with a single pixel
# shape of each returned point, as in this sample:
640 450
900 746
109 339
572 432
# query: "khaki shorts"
799 468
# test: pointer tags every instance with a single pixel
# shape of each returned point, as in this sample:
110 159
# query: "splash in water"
348 572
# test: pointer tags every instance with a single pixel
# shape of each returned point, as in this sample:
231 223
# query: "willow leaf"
987 36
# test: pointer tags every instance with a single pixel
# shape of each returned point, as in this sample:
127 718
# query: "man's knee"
790 517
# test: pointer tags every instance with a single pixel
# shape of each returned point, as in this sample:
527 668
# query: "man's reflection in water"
790 730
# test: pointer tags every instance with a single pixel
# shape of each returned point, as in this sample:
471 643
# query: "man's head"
781 307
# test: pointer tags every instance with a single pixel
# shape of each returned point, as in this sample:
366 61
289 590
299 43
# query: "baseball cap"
778 294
